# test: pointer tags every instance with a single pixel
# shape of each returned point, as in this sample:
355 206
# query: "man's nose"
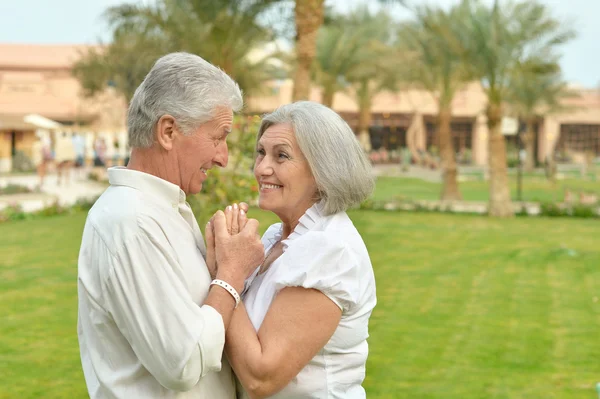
222 156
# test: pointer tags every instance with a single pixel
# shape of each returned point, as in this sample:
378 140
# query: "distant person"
42 157
127 154
116 155
79 146
64 157
100 152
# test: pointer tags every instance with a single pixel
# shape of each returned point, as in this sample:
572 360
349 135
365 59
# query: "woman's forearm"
245 354
297 325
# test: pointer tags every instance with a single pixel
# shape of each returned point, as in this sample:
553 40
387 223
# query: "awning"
42 122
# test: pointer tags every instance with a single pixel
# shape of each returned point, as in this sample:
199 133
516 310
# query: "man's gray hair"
338 163
184 86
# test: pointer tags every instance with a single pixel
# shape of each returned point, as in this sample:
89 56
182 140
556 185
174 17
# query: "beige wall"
25 142
5 156
480 140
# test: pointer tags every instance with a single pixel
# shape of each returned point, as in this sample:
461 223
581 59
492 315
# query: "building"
36 79
569 136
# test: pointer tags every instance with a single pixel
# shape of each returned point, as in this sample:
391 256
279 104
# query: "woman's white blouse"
325 253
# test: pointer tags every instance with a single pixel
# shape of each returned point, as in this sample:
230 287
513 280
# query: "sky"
80 21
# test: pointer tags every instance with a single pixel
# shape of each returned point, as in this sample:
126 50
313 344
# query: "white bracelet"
229 289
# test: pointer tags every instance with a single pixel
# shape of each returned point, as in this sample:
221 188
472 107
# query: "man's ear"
166 132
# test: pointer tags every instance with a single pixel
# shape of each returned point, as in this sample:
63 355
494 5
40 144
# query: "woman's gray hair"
338 163
184 86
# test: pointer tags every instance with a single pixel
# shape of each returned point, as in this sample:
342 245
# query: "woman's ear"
166 132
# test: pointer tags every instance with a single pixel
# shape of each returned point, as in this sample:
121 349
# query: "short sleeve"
316 260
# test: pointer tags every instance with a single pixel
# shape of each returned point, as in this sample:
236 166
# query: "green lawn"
534 188
469 307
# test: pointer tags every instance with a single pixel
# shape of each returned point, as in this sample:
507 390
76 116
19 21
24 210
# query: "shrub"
52 210
551 209
14 189
84 204
578 210
583 211
236 183
12 212
22 163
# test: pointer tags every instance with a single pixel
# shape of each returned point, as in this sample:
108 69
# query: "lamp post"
520 168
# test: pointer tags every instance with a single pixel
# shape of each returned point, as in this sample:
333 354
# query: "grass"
534 188
468 307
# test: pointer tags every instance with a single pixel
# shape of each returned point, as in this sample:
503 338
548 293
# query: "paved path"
66 194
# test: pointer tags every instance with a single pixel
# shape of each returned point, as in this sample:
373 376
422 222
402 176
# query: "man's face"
203 149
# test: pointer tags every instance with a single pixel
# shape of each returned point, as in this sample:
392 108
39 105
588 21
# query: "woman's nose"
262 167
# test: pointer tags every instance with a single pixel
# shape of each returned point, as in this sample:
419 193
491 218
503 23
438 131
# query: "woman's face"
286 184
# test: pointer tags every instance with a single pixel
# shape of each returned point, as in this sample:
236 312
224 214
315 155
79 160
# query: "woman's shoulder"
322 261
334 232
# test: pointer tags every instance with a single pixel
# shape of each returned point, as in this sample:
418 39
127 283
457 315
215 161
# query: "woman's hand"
236 219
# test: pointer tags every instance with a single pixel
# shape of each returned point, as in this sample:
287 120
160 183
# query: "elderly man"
151 322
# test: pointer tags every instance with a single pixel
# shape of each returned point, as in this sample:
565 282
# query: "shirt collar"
307 222
147 184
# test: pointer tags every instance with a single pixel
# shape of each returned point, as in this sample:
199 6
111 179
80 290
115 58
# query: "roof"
15 122
38 56
469 102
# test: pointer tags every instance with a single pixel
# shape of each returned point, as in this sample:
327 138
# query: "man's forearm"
223 302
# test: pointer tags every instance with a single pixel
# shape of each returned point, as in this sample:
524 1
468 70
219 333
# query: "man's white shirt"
143 331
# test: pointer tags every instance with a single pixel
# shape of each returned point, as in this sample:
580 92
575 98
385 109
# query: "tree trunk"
309 17
450 191
364 121
500 204
328 93
529 141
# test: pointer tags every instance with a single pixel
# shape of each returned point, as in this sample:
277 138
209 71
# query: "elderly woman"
302 329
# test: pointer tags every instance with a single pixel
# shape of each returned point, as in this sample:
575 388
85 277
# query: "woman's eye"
283 155
260 151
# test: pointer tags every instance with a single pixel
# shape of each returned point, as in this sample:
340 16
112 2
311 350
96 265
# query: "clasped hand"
233 245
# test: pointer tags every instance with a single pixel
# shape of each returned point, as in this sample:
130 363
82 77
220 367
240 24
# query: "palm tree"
335 50
437 66
377 70
343 47
121 65
534 95
309 18
500 43
224 32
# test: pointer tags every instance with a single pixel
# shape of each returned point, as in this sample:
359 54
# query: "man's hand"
211 260
236 254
